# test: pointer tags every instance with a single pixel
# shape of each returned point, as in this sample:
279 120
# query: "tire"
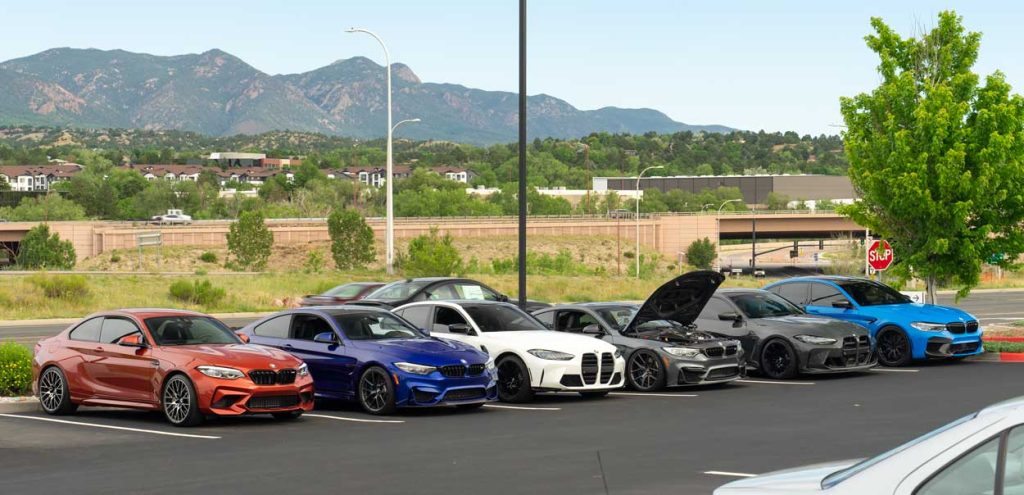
179 401
893 347
287 416
376 393
594 395
467 407
54 394
645 372
513 380
778 360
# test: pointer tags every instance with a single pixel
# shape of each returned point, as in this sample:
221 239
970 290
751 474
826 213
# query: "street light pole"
389 229
642 172
400 122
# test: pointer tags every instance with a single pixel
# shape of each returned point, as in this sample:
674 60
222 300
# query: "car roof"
823 278
336 309
589 305
462 302
1008 405
142 313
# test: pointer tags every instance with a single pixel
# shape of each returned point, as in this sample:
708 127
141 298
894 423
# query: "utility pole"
522 153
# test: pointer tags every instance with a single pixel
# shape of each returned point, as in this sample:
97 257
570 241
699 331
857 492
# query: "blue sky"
779 65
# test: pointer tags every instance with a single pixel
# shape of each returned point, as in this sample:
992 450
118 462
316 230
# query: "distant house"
281 162
376 176
168 172
232 159
37 177
457 174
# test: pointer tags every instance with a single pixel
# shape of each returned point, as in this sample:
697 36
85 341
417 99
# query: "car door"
574 321
419 316
823 298
331 365
84 340
795 292
120 372
272 332
710 319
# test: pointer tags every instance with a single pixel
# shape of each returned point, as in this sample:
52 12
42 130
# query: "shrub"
314 262
249 241
15 369
431 255
701 253
115 258
61 286
200 292
41 249
351 239
208 257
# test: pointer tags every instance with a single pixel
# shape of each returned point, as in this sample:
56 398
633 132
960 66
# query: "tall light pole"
642 172
389 229
727 202
400 122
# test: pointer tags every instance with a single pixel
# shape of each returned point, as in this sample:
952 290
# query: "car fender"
755 355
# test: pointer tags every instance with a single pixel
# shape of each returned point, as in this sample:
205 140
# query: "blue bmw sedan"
378 359
902 330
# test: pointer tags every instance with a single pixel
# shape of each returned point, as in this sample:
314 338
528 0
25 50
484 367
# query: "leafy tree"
431 255
351 239
701 253
777 201
49 207
4 185
937 158
249 241
42 250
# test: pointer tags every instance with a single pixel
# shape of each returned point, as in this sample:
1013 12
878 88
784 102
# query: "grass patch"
200 292
1004 346
61 286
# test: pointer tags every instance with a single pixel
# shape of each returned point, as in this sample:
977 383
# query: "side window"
446 316
547 318
87 331
824 295
474 292
442 293
714 308
1013 474
573 321
275 327
417 315
974 472
307 327
115 328
795 293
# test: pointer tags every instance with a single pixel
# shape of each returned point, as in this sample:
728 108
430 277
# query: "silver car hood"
795 481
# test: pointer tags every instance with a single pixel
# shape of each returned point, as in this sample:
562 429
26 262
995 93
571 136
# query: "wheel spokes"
51 390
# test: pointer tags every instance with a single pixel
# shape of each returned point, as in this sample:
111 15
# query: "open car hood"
680 300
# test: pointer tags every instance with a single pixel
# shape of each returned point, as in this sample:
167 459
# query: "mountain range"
218 94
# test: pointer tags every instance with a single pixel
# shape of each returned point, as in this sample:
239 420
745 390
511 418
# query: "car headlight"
303 369
681 351
416 369
925 326
551 355
220 372
814 339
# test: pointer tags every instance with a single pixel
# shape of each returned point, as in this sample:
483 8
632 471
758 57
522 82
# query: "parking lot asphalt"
561 444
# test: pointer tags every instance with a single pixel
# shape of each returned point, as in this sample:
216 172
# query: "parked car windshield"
375 326
190 330
763 305
397 291
502 318
617 317
868 293
347 290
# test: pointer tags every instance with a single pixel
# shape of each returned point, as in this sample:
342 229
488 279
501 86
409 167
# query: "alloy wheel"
644 370
51 390
373 389
777 358
892 346
177 400
510 377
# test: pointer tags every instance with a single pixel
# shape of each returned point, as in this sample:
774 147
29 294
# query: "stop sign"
880 255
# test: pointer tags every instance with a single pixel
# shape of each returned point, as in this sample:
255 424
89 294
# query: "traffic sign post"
880 255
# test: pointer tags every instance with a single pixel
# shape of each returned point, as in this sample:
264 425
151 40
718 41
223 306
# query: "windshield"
844 474
190 330
502 318
868 293
375 326
617 317
764 305
397 291
347 290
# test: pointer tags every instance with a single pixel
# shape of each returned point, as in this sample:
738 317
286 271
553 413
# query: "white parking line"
94 425
652 395
523 408
774 382
355 420
893 370
730 473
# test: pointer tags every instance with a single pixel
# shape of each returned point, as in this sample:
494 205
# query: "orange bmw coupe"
186 364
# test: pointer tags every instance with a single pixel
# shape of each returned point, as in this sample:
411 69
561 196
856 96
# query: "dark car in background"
781 340
413 290
341 294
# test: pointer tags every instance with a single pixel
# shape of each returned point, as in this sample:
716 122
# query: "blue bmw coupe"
373 356
902 330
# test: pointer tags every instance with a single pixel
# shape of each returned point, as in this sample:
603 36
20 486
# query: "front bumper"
686 372
437 390
854 353
601 371
946 347
241 396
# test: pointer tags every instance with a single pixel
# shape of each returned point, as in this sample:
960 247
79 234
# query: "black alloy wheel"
54 395
893 347
376 394
778 360
179 400
645 372
513 380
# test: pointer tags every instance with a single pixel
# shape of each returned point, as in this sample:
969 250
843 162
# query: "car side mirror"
460 328
243 337
593 329
132 341
844 304
730 316
502 298
325 338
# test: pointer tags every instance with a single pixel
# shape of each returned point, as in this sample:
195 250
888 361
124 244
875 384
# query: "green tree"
938 159
249 240
701 253
50 207
42 250
431 255
351 239
777 201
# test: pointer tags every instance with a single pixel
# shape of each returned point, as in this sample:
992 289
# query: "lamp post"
727 202
389 229
400 122
642 172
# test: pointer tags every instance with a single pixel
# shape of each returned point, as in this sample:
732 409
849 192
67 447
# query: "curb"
1011 357
29 404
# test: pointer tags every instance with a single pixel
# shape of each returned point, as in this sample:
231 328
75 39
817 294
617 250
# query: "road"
561 444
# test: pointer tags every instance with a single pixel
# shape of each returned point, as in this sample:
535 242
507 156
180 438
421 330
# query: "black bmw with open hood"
658 338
